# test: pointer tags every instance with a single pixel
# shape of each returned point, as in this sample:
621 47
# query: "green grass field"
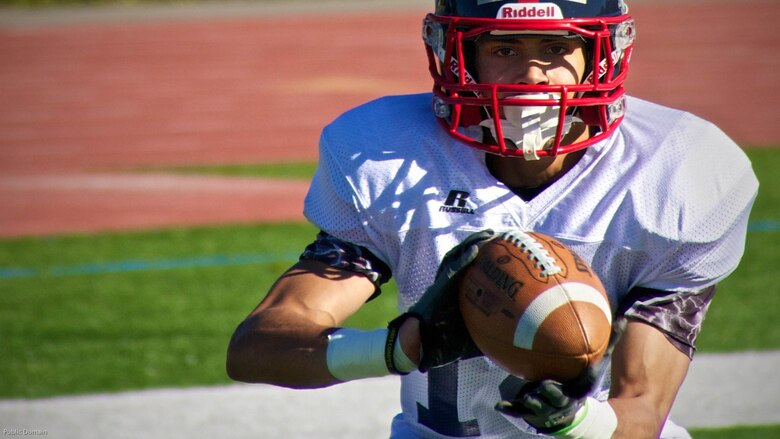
118 311
741 432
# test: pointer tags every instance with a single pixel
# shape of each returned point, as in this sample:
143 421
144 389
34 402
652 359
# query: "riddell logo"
456 203
530 10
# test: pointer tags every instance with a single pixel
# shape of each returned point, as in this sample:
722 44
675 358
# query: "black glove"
549 405
443 333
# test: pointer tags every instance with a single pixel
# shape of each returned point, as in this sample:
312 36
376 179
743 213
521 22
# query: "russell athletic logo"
457 202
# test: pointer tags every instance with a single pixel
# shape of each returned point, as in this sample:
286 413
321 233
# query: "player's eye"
503 52
558 49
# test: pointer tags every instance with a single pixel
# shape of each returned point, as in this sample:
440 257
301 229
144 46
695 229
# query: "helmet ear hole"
471 115
590 115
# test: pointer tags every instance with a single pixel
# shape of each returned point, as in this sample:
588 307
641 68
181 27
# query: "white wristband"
353 354
401 361
595 420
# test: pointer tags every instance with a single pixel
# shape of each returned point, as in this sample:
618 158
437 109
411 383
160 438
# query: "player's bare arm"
647 372
284 340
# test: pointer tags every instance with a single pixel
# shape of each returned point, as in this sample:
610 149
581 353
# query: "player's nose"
531 73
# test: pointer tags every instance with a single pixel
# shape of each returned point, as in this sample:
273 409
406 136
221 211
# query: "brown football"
534 307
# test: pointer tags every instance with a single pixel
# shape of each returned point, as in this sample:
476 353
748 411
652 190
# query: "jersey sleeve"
346 256
333 203
715 188
677 315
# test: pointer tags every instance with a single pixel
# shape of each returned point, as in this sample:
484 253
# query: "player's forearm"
280 348
647 372
638 418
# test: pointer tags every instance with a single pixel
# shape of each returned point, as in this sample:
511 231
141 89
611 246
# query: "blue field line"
143 265
763 226
208 261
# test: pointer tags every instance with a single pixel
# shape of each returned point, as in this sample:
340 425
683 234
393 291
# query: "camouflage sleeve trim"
677 315
341 254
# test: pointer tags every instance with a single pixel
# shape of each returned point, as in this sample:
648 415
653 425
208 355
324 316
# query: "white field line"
721 390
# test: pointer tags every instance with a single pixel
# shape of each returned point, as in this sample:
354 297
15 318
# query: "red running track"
83 107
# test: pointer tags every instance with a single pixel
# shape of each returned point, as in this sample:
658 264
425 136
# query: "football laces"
535 249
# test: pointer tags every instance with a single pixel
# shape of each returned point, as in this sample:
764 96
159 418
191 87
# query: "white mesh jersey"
663 203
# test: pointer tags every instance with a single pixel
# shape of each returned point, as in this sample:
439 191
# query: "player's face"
529 60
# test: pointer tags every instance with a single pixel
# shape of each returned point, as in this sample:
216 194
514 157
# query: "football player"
528 127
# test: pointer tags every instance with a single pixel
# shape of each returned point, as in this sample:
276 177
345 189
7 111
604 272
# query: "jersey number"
441 415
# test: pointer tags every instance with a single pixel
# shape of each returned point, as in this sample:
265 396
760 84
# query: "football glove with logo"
563 409
548 405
